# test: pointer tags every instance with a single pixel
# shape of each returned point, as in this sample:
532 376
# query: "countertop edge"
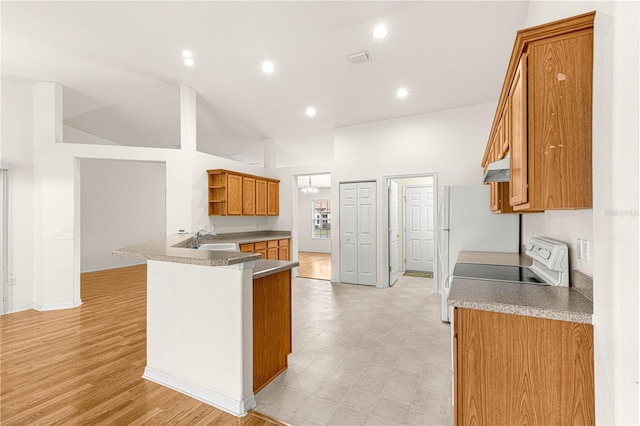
272 267
527 311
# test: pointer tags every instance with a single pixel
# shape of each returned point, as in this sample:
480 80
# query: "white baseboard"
215 399
58 307
15 309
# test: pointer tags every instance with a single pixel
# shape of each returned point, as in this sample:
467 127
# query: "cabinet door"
234 194
283 249
514 369
261 197
272 253
273 198
261 248
517 110
560 117
248 196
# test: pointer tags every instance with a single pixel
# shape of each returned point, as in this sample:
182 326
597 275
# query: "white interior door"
394 263
348 233
358 233
419 228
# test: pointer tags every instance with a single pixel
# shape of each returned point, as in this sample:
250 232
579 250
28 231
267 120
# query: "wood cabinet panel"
517 109
560 121
271 327
261 197
547 97
272 253
247 248
232 193
248 196
283 253
273 199
513 369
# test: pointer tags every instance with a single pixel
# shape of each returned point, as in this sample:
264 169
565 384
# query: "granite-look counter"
177 248
264 267
557 303
240 237
494 258
165 250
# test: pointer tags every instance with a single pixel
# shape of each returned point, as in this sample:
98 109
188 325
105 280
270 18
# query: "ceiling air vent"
358 58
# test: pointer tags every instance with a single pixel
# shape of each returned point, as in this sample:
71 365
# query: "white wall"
305 224
16 146
45 234
122 203
449 142
612 225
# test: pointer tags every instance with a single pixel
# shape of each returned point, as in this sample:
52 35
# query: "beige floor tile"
370 384
317 410
364 356
348 417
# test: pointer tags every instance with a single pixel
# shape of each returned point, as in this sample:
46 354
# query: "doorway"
122 202
409 244
314 226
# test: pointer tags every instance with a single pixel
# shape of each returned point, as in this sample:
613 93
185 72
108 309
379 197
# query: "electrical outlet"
58 231
585 249
535 233
579 249
12 280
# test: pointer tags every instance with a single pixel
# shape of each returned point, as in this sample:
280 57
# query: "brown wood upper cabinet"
544 113
240 194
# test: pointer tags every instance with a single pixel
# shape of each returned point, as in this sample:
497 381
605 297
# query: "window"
321 220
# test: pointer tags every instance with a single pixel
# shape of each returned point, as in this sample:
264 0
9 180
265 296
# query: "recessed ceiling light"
267 67
311 112
188 62
187 54
380 31
402 92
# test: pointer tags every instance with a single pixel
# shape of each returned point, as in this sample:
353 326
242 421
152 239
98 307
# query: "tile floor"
364 356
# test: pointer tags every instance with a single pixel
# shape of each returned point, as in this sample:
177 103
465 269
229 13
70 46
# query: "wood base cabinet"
271 327
512 369
272 249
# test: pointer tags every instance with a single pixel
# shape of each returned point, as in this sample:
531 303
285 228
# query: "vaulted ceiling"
120 64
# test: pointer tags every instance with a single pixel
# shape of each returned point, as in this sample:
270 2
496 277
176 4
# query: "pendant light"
308 189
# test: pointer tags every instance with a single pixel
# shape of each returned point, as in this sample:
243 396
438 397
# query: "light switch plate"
585 251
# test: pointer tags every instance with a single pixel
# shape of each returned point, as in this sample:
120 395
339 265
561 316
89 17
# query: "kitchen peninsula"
218 322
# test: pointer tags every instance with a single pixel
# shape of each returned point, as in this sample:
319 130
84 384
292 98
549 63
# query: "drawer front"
260 245
272 243
282 243
246 248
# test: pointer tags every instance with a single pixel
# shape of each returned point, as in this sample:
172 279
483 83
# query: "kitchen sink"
219 246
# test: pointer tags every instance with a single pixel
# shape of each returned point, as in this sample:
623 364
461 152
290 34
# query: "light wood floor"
83 366
314 265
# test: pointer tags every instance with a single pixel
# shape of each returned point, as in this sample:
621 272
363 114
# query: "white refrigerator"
465 222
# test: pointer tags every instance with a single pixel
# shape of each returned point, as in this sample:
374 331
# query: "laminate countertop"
557 303
177 248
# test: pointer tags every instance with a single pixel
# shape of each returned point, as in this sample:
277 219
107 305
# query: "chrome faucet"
202 232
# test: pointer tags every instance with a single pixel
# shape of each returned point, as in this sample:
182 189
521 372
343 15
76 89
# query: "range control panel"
550 258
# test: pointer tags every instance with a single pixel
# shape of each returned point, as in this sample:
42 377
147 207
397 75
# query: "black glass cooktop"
497 273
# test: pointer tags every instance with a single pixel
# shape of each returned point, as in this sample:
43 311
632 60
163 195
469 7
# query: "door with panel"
394 249
358 233
419 228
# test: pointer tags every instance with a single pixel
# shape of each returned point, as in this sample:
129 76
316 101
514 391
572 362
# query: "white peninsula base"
200 332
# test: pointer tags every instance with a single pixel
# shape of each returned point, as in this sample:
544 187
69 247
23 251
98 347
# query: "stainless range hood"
498 171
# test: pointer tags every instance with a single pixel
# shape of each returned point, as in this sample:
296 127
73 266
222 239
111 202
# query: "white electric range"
550 267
